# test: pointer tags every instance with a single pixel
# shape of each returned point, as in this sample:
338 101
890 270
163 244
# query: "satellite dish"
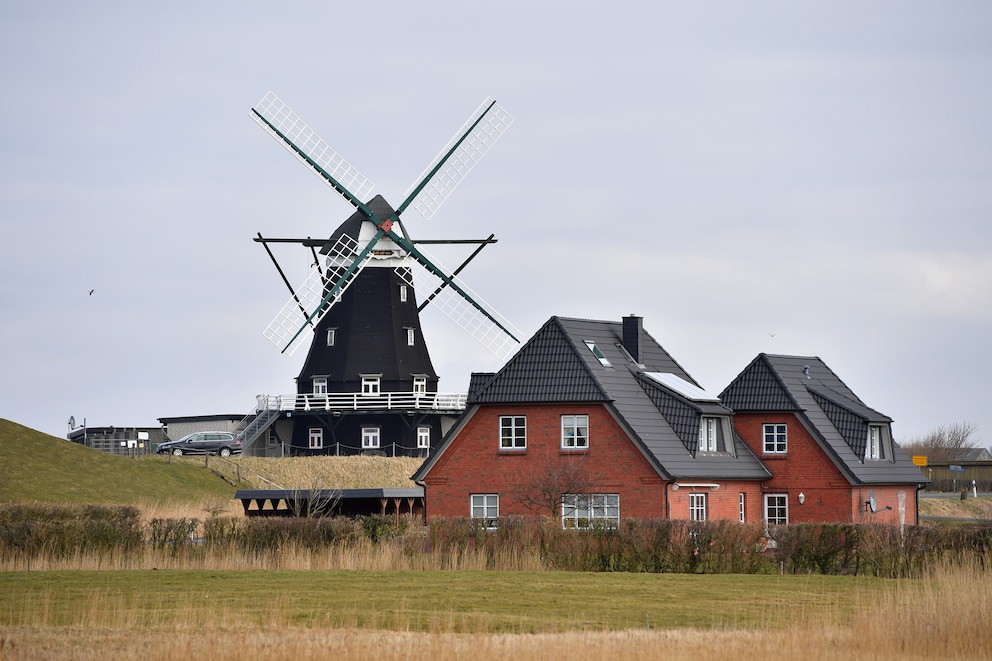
871 501
72 422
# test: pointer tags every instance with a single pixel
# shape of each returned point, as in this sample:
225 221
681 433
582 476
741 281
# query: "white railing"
432 401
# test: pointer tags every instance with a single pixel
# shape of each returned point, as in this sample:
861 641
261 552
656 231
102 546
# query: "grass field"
519 615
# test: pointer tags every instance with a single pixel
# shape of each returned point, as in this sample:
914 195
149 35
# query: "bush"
63 531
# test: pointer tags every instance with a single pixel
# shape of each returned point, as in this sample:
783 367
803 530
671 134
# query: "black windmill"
368 384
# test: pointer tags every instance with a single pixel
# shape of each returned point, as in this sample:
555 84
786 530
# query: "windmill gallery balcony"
384 401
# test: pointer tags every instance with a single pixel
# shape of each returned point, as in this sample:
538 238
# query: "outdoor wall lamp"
802 498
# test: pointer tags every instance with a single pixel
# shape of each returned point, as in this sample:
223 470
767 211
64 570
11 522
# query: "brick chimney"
633 334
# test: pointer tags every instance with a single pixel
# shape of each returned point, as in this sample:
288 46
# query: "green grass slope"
37 467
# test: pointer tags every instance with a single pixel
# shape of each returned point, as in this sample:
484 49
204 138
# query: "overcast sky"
807 178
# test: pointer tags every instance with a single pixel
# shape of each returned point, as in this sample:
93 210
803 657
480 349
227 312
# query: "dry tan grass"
944 616
978 508
333 472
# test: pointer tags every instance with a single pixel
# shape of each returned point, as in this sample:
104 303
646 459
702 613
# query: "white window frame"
875 448
596 351
320 385
485 506
708 435
370 438
420 385
779 434
423 437
584 511
411 337
742 506
316 438
371 385
403 294
512 432
697 506
331 336
575 431
781 505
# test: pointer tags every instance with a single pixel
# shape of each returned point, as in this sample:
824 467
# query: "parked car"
203 442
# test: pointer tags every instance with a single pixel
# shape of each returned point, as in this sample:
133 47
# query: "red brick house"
831 457
593 422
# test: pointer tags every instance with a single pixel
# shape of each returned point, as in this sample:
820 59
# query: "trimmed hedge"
65 531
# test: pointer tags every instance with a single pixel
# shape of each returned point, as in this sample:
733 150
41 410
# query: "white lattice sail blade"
497 341
295 323
482 137
287 122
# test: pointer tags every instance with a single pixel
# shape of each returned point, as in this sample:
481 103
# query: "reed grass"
943 615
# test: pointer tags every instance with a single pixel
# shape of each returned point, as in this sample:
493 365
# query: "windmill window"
420 385
320 385
403 294
316 438
331 332
574 432
775 438
370 385
411 337
600 356
370 437
423 437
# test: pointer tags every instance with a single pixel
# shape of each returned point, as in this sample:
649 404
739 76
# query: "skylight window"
600 356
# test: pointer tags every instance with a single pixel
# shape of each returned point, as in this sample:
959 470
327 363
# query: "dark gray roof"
835 416
557 366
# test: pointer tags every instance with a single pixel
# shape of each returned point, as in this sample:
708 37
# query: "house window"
320 385
512 432
875 448
420 385
331 332
775 439
316 438
423 437
574 432
697 506
708 433
370 384
402 293
370 437
486 506
411 336
603 360
596 510
742 501
776 509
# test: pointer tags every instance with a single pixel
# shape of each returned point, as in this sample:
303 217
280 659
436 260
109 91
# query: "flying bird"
91 291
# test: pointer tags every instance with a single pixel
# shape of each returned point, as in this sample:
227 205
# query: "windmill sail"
469 144
468 310
291 132
311 300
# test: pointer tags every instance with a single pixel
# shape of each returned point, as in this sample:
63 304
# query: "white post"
974 489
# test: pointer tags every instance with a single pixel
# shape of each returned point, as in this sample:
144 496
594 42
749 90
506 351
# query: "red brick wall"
806 468
474 463
721 503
